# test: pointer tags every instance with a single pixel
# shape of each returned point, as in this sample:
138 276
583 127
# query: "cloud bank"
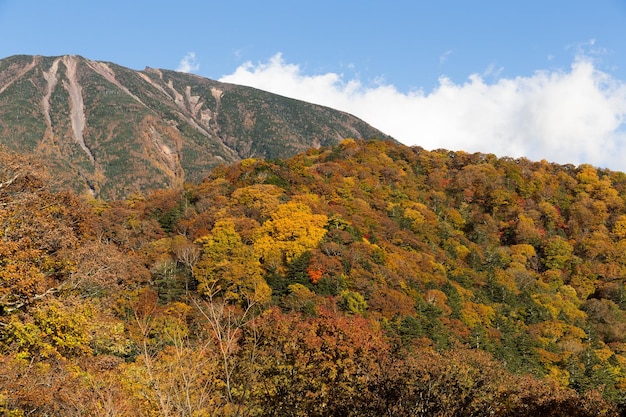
188 63
573 116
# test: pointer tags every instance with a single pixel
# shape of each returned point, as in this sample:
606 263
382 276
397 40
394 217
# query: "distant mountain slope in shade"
110 130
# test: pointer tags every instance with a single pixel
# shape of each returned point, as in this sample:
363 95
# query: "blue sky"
541 79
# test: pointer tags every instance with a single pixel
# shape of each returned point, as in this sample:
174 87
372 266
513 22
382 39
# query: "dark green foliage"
330 285
278 283
297 272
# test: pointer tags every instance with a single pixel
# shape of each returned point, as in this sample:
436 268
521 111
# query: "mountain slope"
114 130
363 279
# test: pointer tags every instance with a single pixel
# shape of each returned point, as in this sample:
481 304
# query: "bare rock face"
111 131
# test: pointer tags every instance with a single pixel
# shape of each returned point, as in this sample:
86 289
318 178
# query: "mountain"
111 130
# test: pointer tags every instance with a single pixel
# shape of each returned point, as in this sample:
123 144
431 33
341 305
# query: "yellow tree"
229 268
257 201
292 230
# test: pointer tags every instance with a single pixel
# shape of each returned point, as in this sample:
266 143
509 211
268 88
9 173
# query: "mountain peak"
111 130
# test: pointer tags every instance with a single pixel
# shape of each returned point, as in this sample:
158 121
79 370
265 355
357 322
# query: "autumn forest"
363 279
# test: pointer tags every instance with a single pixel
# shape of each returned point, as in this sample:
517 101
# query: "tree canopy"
367 278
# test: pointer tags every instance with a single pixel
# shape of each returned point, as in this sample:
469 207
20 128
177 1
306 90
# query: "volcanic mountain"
110 131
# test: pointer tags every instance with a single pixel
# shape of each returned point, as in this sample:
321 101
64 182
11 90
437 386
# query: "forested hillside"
363 279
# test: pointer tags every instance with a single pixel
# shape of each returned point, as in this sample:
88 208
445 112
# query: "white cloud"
188 63
444 57
574 116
